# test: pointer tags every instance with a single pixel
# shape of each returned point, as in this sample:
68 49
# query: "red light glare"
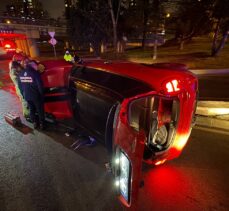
169 87
160 162
166 188
172 86
10 49
7 46
180 141
175 85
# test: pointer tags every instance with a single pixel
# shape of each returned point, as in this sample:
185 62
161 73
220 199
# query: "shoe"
35 125
28 119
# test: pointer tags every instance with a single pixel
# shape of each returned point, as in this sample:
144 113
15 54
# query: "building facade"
27 9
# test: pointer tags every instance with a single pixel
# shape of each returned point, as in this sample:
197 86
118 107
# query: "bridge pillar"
25 47
33 49
66 44
18 43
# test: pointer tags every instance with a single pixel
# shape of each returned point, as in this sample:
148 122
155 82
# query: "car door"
129 143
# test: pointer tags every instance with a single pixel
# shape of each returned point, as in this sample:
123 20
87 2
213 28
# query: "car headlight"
124 176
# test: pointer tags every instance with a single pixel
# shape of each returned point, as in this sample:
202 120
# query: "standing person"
31 87
68 56
76 58
15 69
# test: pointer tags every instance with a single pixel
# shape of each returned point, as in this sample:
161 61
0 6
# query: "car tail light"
7 46
171 87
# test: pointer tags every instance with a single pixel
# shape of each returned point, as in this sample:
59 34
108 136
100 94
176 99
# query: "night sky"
54 7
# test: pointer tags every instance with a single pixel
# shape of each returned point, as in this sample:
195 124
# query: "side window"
77 71
139 113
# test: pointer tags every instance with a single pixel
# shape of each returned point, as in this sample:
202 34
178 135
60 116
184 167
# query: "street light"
167 15
8 22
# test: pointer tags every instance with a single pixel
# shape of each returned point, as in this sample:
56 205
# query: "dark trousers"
36 106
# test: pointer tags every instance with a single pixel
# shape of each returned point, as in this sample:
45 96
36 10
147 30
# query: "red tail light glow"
160 162
172 86
7 46
181 141
169 87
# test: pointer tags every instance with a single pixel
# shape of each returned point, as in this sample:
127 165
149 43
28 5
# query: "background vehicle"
3 52
139 112
7 48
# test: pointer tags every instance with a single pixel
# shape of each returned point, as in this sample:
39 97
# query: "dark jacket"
30 84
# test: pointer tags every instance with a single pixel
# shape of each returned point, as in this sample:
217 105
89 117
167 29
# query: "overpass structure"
25 35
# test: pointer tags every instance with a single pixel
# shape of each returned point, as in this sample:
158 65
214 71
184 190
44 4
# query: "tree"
142 17
220 17
152 17
197 17
114 19
88 23
192 19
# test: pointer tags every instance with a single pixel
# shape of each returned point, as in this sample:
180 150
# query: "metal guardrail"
32 21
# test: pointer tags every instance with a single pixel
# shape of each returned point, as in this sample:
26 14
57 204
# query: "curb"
205 121
209 71
213 114
212 108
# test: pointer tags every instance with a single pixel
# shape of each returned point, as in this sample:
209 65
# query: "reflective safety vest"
68 57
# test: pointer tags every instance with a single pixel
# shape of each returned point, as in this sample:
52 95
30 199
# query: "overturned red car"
139 112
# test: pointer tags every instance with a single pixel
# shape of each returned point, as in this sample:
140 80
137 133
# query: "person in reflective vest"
68 56
31 88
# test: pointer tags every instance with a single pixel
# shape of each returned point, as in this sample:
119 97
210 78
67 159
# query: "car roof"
55 63
153 75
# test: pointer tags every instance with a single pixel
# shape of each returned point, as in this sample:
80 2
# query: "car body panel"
94 91
55 80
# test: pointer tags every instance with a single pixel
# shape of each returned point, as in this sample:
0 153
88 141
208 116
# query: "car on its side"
139 112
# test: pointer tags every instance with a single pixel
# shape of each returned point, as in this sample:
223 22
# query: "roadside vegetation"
196 54
186 24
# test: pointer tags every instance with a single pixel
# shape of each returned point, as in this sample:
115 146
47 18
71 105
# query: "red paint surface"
165 189
130 141
56 75
12 36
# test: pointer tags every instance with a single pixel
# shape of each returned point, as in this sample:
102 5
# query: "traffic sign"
51 34
53 41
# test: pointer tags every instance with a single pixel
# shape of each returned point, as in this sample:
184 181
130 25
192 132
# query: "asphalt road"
214 87
197 180
40 171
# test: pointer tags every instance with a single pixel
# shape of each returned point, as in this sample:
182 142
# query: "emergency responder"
31 87
68 56
37 66
15 68
19 56
76 58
